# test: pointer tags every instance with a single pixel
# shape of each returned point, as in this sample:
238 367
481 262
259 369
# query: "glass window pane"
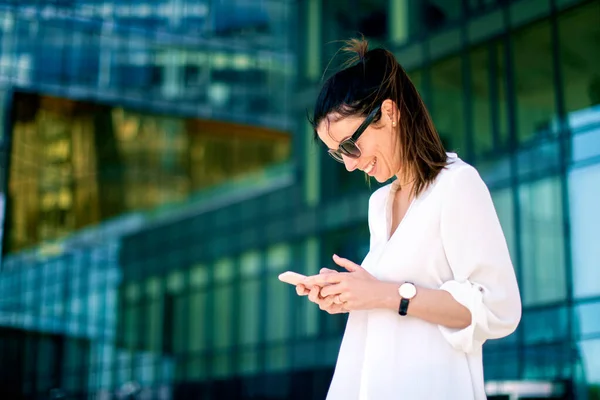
4 97
176 282
154 327
144 161
586 142
547 361
223 270
347 182
180 323
222 313
503 203
545 326
538 159
250 295
499 61
416 78
579 30
278 295
481 101
542 241
197 368
447 103
371 18
250 264
588 369
221 364
277 357
248 361
586 319
488 102
501 363
534 81
197 321
131 331
199 276
584 192
278 258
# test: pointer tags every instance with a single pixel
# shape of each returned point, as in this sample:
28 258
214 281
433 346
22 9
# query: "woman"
438 280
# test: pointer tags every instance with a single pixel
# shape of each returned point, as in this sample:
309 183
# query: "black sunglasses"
348 147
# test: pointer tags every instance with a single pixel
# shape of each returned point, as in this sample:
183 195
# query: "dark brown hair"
368 78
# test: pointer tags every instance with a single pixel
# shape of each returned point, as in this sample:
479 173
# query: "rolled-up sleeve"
484 278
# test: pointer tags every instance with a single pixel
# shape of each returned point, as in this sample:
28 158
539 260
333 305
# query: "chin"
379 179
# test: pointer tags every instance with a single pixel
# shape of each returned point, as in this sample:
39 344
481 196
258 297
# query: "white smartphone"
293 278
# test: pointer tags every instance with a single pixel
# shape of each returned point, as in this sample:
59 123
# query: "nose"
350 163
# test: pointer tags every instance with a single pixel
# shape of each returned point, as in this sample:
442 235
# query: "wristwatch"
407 291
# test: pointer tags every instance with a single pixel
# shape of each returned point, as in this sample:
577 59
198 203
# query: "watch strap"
403 309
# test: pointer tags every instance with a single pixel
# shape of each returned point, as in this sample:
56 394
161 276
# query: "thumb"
343 262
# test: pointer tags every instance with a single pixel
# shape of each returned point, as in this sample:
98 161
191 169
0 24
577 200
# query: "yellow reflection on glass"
75 164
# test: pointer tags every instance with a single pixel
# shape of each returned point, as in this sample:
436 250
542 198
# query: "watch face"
407 290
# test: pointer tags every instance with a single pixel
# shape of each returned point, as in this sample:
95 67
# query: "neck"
405 180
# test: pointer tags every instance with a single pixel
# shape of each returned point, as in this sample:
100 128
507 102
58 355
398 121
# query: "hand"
302 290
355 289
328 304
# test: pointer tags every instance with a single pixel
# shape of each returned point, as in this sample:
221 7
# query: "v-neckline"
389 204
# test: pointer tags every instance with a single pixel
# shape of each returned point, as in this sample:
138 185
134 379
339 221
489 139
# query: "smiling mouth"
370 166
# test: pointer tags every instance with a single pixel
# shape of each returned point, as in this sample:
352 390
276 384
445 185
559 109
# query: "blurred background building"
157 173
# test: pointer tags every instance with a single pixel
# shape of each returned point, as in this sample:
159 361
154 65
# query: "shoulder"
461 183
459 175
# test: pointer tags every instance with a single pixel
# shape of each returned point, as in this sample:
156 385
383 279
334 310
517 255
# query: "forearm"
431 305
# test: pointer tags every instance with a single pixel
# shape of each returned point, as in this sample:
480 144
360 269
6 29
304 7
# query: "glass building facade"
158 173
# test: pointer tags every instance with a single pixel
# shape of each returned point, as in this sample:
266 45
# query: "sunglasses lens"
336 156
350 149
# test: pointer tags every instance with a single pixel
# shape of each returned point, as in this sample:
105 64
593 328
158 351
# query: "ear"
389 110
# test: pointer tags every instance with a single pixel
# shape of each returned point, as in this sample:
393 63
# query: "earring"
394 123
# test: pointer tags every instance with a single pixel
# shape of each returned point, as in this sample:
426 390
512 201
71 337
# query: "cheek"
387 154
383 149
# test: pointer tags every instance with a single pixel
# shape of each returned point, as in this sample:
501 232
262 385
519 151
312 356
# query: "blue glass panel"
584 192
586 319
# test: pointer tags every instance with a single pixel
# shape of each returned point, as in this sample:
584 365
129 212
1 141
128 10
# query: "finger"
301 290
344 262
327 271
331 290
313 295
326 303
324 279
336 309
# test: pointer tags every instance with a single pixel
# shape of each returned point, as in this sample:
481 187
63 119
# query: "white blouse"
451 239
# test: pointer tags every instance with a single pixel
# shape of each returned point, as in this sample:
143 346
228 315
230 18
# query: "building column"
402 20
172 64
312 73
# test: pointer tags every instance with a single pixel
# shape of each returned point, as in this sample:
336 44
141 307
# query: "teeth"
370 167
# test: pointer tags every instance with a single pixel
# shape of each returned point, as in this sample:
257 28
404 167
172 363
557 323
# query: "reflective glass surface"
75 164
534 88
448 104
155 179
585 219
